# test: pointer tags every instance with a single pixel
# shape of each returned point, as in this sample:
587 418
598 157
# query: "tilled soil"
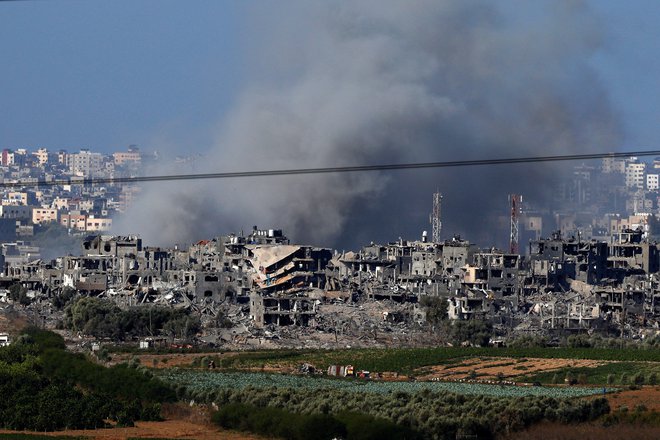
509 367
649 396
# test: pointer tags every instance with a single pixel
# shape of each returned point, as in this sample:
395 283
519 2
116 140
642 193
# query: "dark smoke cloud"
365 82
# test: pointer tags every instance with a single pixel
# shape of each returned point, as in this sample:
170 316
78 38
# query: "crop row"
204 381
407 360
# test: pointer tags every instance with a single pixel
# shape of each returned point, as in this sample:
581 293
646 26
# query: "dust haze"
373 82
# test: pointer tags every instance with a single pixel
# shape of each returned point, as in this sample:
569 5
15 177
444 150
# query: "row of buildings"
45 187
564 285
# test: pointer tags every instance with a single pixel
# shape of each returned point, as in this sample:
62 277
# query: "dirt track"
182 422
175 429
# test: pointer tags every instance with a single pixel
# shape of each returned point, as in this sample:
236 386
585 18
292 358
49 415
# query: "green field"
208 381
620 373
408 361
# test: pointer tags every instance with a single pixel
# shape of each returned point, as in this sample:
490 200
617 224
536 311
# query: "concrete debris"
260 291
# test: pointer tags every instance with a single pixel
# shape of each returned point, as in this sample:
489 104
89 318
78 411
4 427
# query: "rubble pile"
260 290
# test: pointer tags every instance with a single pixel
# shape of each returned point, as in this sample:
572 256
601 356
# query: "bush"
529 342
43 387
578 341
103 319
475 332
42 339
435 307
401 414
321 426
277 422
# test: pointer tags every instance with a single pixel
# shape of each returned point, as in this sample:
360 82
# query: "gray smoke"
369 82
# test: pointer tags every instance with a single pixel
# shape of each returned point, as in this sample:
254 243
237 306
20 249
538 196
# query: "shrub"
289 425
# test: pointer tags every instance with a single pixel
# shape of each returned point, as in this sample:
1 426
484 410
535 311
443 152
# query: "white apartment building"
85 163
635 174
652 183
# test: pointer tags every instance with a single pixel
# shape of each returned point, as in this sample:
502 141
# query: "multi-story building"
634 222
85 163
96 224
42 156
74 220
635 173
18 212
62 156
19 198
613 165
124 157
7 157
44 215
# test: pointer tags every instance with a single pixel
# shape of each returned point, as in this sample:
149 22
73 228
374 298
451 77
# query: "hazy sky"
106 74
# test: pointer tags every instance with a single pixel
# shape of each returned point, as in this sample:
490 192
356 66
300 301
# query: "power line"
327 170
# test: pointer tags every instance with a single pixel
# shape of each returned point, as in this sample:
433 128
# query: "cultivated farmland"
210 381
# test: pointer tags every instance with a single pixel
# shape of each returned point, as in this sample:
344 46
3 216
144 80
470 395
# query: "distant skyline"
162 74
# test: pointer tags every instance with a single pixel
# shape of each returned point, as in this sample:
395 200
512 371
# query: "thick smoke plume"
370 82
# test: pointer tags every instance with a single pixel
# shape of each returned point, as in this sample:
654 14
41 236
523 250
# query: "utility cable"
327 170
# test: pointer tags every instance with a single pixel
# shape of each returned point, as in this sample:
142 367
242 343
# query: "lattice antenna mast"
436 222
515 201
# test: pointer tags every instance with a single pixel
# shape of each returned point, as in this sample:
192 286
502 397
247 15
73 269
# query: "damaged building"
261 281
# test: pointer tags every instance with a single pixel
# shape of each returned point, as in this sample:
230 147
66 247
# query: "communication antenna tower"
436 223
516 204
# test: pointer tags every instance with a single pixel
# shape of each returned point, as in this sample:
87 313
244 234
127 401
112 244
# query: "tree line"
431 415
104 319
45 388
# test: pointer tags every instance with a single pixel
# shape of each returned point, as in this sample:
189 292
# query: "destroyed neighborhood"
257 289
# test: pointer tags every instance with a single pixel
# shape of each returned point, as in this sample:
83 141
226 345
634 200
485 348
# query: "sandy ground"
586 431
175 429
509 367
164 360
182 422
11 321
648 396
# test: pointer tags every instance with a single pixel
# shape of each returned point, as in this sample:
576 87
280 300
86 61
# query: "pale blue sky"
631 67
108 73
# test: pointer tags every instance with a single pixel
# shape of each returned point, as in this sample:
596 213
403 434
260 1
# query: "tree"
475 332
65 296
18 293
436 309
102 318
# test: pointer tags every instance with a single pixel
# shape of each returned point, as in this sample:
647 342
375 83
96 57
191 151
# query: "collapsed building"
562 286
